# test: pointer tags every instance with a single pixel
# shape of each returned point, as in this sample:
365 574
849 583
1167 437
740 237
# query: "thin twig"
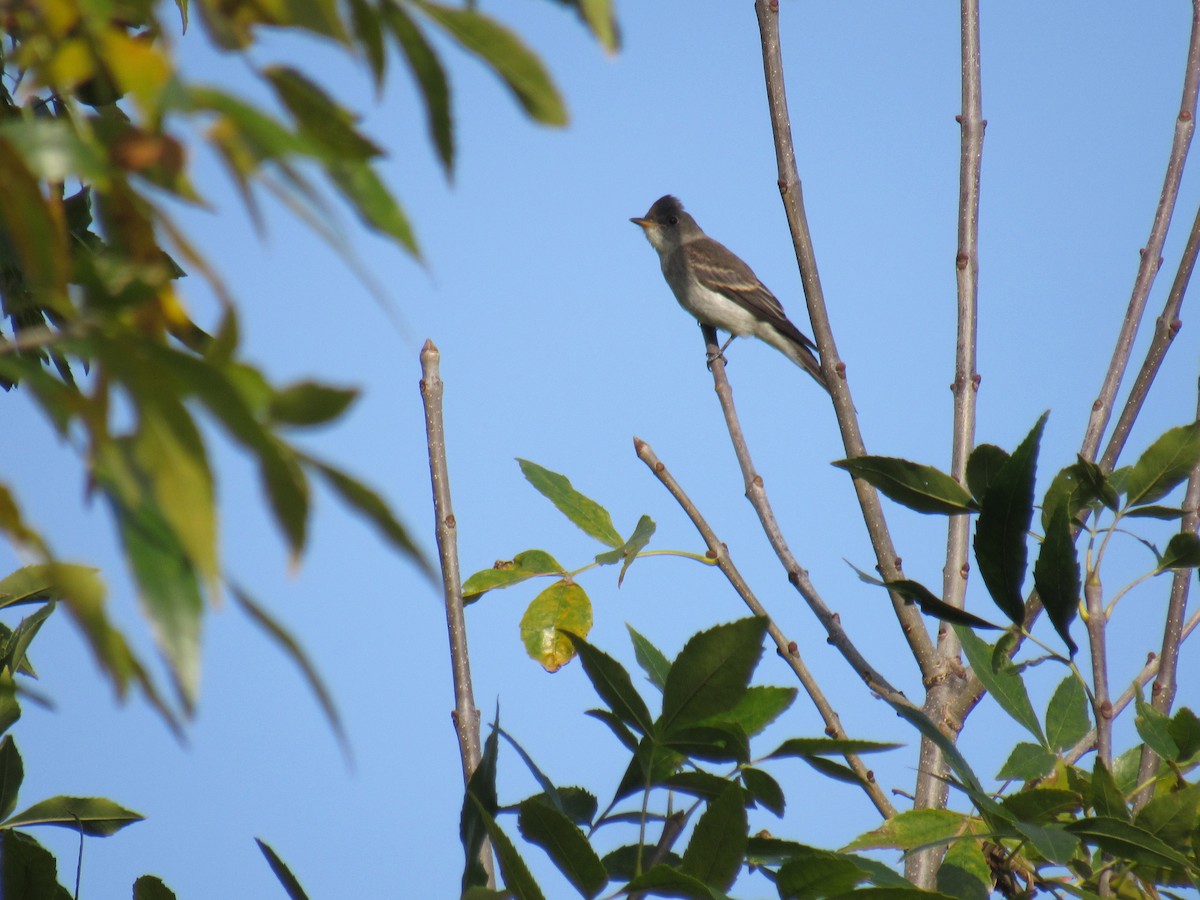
787 649
1162 695
791 191
1185 124
1097 629
465 715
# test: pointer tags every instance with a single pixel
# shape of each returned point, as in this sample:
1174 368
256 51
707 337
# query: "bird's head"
667 225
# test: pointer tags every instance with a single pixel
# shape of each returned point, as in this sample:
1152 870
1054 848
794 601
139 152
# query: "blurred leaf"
714 852
1155 729
1182 552
427 69
282 872
1128 842
614 686
1166 463
480 797
1163 513
913 829
921 488
583 511
506 55
1027 762
1000 533
652 660
803 747
1067 719
320 119
291 648
1051 841
505 573
710 675
517 879
764 789
565 844
1107 799
96 816
36 238
310 403
1184 729
10 709
151 887
27 869
367 24
698 783
812 874
1004 684
1056 575
54 151
562 607
1041 804
374 204
13 648
982 465
666 881
1171 817
12 773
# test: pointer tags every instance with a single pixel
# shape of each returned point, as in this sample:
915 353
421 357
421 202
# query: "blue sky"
560 342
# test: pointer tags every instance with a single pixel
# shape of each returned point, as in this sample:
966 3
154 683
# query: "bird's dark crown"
665 206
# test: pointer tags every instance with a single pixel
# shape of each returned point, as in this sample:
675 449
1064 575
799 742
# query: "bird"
712 283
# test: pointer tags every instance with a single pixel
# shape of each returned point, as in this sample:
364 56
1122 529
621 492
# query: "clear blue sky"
560 342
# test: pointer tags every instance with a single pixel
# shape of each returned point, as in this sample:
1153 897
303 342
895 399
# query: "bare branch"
465 715
835 370
787 649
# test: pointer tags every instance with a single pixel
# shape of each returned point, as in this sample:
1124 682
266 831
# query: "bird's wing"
718 266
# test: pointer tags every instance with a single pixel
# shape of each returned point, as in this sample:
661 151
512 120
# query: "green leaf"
1162 513
1075 488
54 151
14 647
930 605
1172 817
921 488
506 573
835 770
965 872
27 869
427 69
1005 684
715 743
291 647
151 887
586 513
1027 762
565 844
666 881
310 403
26 221
480 798
984 462
320 119
614 686
1127 841
12 773
804 747
1166 463
1155 729
518 881
718 843
814 874
1184 729
374 204
1051 841
652 660
1107 799
561 609
368 33
759 707
1004 519
627 554
1067 719
96 816
576 803
520 70
763 789
1056 575
954 757
1041 805
549 791
913 829
282 872
710 675
1183 552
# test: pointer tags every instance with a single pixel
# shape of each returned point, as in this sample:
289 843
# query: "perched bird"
720 290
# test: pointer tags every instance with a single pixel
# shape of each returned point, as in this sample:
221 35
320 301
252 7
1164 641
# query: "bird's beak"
645 223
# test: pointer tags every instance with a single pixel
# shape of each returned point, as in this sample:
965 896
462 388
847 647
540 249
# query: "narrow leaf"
310 403
1056 575
1166 463
764 789
518 881
828 747
921 488
282 872
97 816
1004 684
614 686
586 513
427 69
12 773
652 660
930 605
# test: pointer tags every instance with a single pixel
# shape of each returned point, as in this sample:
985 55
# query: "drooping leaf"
712 671
97 816
1056 575
921 488
505 573
931 605
12 773
1182 552
373 203
1004 519
1127 841
718 843
320 119
430 76
479 799
614 686
1166 463
282 872
561 608
763 789
1004 684
565 844
586 513
368 32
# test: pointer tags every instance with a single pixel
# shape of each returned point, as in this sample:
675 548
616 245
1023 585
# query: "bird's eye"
672 220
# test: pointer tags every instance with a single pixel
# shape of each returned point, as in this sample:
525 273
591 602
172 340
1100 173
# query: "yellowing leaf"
564 606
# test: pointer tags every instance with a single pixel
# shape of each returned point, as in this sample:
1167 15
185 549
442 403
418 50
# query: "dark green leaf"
1027 762
618 728
930 605
27 869
427 69
1056 575
1155 729
479 800
12 773
576 803
1184 729
583 511
310 403
1075 488
714 853
815 874
282 872
835 770
1107 799
828 747
96 816
565 844
517 879
319 118
710 675
764 789
292 649
1127 841
520 70
614 686
650 658
506 573
151 887
954 758
759 707
919 487
1167 462
1000 533
368 31
1005 684
1067 715
1041 805
665 881
715 743
982 465
1183 552
1163 513
623 862
1172 816
14 647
